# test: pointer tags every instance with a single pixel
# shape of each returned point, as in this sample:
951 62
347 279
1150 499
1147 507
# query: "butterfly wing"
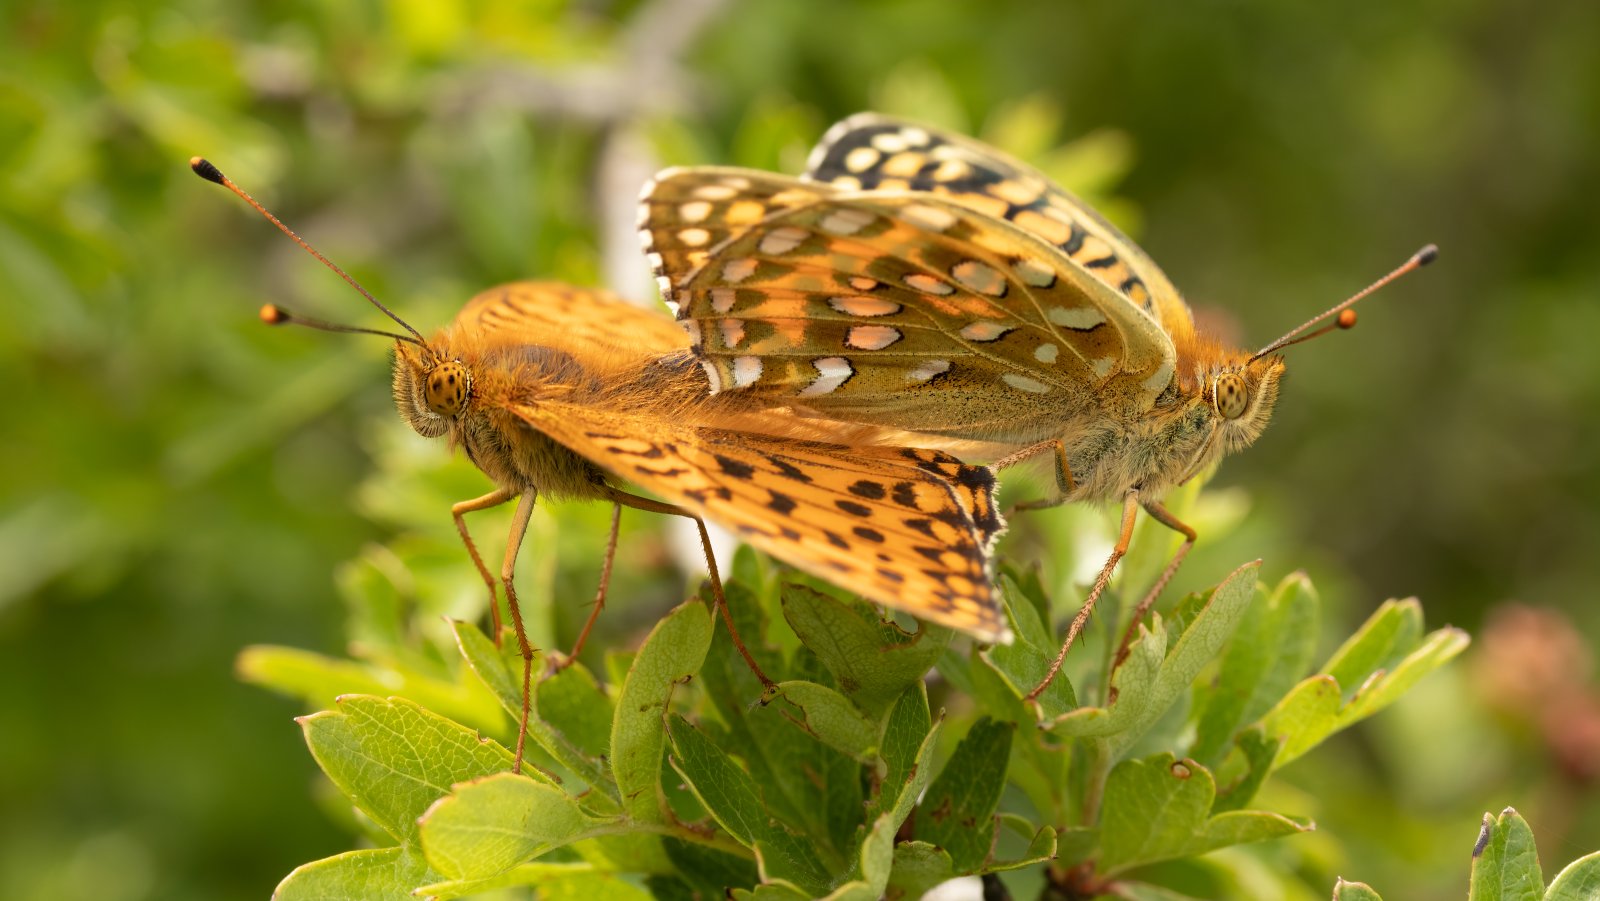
911 529
568 318
906 309
869 151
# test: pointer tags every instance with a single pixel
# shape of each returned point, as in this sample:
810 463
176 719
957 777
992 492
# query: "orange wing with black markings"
911 529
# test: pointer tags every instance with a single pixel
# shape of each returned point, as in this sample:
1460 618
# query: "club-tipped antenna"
272 314
203 168
1347 317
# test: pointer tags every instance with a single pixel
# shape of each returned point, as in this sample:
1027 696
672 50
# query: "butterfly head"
1241 397
431 389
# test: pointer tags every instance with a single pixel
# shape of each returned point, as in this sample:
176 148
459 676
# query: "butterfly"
565 392
922 281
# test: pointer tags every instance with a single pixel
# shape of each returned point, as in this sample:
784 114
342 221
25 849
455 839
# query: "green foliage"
182 482
677 776
1505 867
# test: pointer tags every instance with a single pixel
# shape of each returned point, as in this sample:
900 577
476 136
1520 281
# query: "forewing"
911 310
911 529
685 214
552 314
869 151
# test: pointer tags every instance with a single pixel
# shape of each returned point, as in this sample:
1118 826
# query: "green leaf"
730 795
1151 679
489 825
604 884
830 717
673 651
957 812
1269 652
1256 752
1316 708
1022 664
1579 881
710 871
801 781
320 680
381 874
573 703
500 670
872 865
393 759
1157 808
1354 891
1386 637
907 746
1041 844
1505 864
918 867
872 662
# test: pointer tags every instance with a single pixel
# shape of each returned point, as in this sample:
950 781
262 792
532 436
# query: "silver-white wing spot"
872 337
1081 318
928 218
736 271
980 277
1023 383
984 330
1046 353
927 284
928 370
861 159
732 332
746 371
831 373
780 241
854 305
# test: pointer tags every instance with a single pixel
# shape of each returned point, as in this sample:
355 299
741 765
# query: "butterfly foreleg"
458 511
1164 516
605 583
1063 473
718 598
1130 510
519 530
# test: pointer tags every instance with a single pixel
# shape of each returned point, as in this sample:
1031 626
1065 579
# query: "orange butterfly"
569 393
922 281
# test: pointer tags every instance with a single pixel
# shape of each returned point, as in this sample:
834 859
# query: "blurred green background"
181 482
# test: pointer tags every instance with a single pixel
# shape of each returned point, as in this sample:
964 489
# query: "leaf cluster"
671 774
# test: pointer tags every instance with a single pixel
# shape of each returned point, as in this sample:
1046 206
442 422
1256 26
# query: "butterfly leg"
1164 516
458 511
642 503
519 530
1064 481
1130 510
605 583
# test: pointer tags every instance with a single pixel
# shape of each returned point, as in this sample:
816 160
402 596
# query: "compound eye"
1232 396
447 388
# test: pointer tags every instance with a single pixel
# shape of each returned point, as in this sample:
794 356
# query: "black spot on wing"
868 489
736 468
853 508
867 534
905 494
787 470
781 502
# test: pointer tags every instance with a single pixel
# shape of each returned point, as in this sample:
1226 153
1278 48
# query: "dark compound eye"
1232 396
447 389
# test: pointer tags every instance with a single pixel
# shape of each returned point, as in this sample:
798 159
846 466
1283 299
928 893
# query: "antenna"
203 168
1347 316
273 314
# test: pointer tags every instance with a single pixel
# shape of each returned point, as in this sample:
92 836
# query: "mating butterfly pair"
913 284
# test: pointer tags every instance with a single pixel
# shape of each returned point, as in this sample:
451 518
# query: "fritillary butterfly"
922 281
570 393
